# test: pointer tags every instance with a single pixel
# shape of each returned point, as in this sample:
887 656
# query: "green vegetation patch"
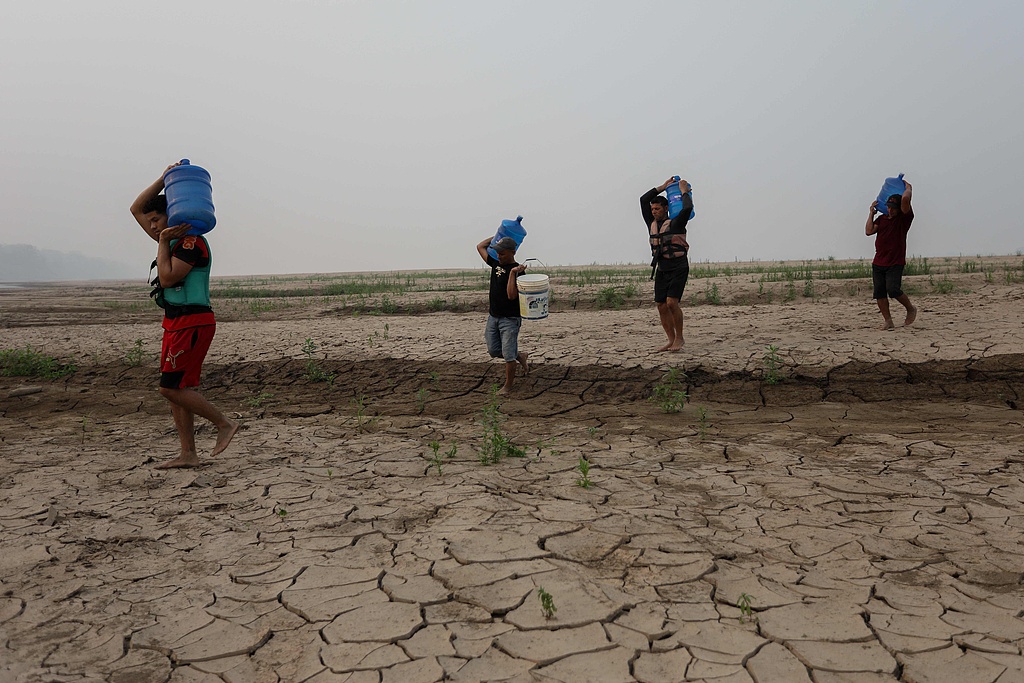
28 362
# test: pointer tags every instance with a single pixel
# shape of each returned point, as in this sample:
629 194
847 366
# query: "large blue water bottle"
189 198
675 198
890 187
513 229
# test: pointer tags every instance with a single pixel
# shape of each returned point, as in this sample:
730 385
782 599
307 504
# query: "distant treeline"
25 263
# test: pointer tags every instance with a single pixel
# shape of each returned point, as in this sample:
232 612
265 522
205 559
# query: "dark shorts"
670 279
888 281
182 355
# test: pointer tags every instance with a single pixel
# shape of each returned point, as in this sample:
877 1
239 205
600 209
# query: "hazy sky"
379 135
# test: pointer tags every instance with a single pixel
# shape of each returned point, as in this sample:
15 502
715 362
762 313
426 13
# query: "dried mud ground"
869 508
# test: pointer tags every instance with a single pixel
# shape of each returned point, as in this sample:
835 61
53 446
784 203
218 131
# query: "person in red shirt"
183 291
890 231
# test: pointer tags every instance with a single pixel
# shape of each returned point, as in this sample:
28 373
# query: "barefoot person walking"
890 231
669 265
504 319
183 291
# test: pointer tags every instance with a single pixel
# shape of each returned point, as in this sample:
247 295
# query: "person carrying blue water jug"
890 231
504 319
182 289
669 265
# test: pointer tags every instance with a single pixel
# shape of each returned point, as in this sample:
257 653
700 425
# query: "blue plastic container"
189 198
675 198
890 187
513 229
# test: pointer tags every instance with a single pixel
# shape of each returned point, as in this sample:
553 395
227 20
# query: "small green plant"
711 294
258 306
436 460
809 288
746 613
592 430
435 379
496 445
584 467
421 398
452 451
668 392
258 400
281 512
314 373
330 473
943 286
702 422
790 292
136 355
361 418
610 297
387 329
387 305
772 363
31 363
547 603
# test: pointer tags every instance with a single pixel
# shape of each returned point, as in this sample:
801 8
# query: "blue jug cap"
184 162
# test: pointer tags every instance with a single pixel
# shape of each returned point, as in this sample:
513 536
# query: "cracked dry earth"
870 506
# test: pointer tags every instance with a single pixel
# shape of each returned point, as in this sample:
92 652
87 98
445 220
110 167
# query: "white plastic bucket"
533 296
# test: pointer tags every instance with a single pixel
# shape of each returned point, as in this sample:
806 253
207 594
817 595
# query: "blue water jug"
513 229
189 198
890 187
675 198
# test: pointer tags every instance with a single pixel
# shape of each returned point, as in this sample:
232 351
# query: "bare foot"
183 460
666 347
888 326
676 347
224 436
911 316
522 361
504 391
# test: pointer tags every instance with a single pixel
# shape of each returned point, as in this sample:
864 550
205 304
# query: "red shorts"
182 356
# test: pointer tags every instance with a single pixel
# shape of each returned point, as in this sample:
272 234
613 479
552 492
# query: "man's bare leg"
676 312
668 324
184 423
911 309
196 403
522 357
510 377
883 307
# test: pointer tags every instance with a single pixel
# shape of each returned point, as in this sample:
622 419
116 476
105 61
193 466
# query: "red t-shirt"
891 239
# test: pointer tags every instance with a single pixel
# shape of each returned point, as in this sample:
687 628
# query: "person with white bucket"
504 318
